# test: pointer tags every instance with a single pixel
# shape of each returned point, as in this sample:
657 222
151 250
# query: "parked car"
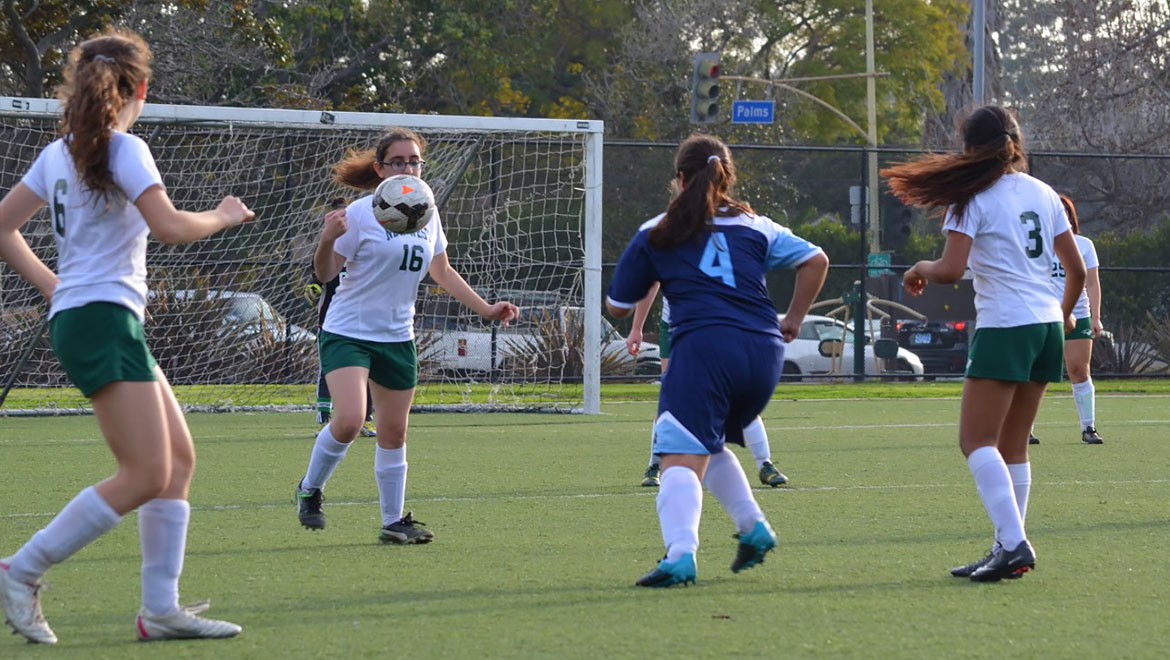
803 356
242 312
941 345
541 339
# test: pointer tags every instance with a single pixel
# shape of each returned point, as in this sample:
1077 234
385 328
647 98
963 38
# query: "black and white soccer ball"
403 203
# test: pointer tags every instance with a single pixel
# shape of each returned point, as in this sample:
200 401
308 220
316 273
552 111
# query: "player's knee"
345 427
391 436
1078 373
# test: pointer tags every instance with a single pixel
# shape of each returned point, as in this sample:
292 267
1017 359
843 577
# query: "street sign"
879 259
753 112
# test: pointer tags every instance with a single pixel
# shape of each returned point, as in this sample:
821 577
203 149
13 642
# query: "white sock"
327 453
162 533
727 482
995 489
680 503
1084 395
756 437
390 473
654 458
1021 483
81 522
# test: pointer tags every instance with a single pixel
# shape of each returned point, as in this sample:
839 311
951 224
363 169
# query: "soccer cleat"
406 531
21 605
650 478
753 546
368 429
309 510
1006 564
966 570
1032 439
669 573
1090 437
184 623
770 476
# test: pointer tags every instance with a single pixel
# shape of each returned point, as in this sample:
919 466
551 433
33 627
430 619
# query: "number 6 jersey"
1012 225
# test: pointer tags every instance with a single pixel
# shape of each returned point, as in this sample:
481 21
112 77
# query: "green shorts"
1084 330
663 340
1023 353
100 343
393 364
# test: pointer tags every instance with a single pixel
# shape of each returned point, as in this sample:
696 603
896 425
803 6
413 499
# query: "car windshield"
830 330
250 309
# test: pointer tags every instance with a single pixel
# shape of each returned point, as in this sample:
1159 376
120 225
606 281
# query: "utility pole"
871 133
977 20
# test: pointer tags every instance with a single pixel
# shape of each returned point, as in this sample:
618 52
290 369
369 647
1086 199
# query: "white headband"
104 58
712 157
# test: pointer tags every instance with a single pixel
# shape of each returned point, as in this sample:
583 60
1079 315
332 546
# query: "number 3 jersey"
717 278
101 240
375 300
1012 225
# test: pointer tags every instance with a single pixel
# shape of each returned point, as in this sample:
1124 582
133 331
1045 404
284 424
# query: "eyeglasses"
401 164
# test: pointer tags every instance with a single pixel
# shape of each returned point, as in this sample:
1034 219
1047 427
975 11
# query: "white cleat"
183 624
22 607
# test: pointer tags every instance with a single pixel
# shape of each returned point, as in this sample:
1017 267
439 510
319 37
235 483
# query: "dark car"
941 345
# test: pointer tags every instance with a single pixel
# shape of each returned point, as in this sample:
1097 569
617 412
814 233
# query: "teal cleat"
753 546
669 573
770 476
650 479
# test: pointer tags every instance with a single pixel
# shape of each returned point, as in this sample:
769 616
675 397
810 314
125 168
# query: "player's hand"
1097 327
312 294
634 341
335 225
234 210
1070 324
913 281
503 311
790 327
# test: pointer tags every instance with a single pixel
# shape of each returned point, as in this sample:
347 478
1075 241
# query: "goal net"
228 318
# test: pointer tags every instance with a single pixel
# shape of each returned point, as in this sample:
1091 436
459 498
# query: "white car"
243 312
803 356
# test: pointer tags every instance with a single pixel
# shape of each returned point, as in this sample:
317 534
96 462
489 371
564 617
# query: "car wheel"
791 372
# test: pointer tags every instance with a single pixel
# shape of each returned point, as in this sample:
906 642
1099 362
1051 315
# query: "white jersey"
665 311
1012 225
1089 254
375 300
101 241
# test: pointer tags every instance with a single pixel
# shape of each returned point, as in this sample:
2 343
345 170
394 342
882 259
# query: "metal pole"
871 116
977 31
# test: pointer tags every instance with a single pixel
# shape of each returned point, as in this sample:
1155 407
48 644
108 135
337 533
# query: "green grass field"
541 530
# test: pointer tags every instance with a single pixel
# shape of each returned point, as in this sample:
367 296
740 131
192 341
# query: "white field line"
632 493
775 428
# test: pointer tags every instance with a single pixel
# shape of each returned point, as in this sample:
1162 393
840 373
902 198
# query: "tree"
34 36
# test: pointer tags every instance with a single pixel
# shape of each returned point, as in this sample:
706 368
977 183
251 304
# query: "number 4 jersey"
101 240
1012 225
375 300
715 279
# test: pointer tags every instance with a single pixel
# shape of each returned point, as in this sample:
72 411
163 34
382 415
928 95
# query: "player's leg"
369 429
755 435
393 376
348 385
162 533
679 505
1013 443
1078 353
650 478
324 400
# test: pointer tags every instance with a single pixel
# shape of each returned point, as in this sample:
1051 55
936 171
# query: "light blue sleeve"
787 250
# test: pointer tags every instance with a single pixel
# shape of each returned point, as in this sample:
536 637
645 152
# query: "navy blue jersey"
715 280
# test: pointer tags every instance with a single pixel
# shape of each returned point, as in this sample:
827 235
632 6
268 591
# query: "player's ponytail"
101 76
708 176
993 145
1071 212
357 171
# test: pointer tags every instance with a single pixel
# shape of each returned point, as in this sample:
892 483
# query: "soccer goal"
228 318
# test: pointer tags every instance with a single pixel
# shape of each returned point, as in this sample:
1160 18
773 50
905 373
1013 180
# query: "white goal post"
520 201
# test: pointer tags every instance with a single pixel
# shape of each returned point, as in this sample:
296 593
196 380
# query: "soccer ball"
403 203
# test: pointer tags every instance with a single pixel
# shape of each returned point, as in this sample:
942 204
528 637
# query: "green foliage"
1127 297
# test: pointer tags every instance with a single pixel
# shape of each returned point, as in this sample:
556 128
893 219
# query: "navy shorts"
718 380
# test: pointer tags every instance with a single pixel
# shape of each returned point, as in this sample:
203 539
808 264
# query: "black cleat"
1006 564
309 510
666 574
1089 436
966 570
407 531
1032 439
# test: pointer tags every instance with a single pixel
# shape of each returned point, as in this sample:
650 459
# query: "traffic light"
705 88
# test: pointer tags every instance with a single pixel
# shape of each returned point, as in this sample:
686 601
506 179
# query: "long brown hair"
708 177
356 170
1071 212
992 146
101 76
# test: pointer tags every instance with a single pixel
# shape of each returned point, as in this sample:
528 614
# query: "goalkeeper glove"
312 294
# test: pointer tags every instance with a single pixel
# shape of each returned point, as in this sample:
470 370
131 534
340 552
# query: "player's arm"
17 207
1074 273
947 269
453 283
173 227
1093 288
810 277
326 262
641 311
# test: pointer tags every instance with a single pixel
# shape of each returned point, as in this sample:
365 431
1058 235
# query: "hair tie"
712 157
104 58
